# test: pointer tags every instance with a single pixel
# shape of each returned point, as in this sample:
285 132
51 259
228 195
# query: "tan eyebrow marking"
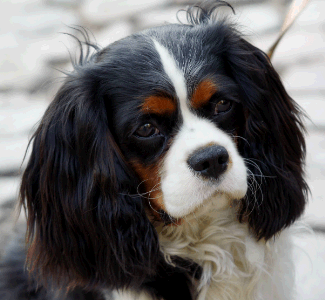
203 93
158 105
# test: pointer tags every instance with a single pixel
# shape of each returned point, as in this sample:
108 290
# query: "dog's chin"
217 201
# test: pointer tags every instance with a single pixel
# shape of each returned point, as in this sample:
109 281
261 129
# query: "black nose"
210 162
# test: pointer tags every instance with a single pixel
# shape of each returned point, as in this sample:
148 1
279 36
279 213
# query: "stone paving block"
159 17
315 172
9 189
305 77
309 258
41 23
55 47
20 69
262 41
306 42
315 153
113 32
12 151
102 12
27 66
257 18
313 104
313 13
33 19
63 3
8 40
19 113
28 29
250 18
303 44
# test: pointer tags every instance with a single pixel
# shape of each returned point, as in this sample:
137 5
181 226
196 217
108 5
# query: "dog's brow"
160 105
203 93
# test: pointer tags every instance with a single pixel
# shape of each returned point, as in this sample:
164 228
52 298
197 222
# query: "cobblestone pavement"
32 49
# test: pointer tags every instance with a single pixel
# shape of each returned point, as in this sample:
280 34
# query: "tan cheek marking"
150 177
150 185
158 105
203 93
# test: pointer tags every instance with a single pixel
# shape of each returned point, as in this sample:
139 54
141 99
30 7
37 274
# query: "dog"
168 166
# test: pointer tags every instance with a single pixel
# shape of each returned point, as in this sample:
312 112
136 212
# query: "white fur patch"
235 265
127 295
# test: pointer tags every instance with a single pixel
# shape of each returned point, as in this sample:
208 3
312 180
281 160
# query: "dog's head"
152 128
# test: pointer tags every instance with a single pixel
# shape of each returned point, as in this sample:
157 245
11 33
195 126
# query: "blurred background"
33 48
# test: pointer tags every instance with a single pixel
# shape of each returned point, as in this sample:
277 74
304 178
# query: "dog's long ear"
83 227
273 144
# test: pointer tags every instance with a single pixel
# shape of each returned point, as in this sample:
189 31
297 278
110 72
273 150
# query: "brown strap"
295 9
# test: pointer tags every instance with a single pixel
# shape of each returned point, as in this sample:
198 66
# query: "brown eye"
146 130
222 106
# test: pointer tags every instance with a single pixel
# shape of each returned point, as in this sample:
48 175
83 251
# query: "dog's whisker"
240 137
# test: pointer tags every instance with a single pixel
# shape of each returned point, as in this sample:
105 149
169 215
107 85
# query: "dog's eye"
147 130
222 106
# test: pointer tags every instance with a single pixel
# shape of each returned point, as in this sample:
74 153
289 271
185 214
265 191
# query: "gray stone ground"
31 49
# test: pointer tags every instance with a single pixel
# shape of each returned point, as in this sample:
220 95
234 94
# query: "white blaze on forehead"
175 74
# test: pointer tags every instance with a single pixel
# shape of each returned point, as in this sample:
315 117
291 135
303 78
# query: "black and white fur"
95 231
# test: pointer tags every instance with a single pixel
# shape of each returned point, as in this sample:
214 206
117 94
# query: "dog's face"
160 123
177 119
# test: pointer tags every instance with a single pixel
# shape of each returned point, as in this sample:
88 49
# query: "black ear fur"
83 227
273 144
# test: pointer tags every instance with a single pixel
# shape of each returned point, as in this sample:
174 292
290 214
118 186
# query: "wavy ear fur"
83 227
273 144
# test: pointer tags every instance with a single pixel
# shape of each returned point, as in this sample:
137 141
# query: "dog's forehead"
172 60
138 59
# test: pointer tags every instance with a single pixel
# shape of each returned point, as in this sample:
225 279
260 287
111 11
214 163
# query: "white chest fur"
235 265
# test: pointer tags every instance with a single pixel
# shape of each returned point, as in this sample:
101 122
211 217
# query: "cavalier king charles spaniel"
168 166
